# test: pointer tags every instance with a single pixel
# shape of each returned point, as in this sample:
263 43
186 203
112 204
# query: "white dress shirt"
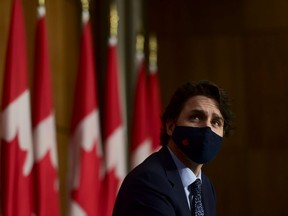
187 175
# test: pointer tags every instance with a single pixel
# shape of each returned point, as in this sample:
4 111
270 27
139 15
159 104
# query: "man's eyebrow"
197 111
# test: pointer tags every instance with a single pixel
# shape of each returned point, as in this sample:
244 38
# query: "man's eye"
217 123
195 118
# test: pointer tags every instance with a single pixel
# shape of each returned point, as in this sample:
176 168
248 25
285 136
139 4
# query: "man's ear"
170 125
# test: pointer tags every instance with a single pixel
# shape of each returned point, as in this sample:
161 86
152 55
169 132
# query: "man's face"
201 111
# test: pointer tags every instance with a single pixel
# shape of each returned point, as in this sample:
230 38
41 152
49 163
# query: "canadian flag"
155 105
43 122
86 150
114 140
141 143
15 125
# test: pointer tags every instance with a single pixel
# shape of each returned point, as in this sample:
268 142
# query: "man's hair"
188 90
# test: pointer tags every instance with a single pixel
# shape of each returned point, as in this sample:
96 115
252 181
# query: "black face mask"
200 144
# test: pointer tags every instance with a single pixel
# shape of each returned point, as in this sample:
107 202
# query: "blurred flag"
86 146
43 122
114 140
15 126
141 145
154 98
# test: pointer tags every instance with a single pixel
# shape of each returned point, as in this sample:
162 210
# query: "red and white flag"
43 122
154 104
114 140
15 125
141 145
86 149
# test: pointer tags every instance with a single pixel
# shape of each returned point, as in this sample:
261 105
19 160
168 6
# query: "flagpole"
154 93
113 20
85 5
140 43
41 2
85 11
139 49
153 48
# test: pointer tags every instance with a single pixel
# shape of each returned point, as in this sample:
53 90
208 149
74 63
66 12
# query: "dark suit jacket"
155 188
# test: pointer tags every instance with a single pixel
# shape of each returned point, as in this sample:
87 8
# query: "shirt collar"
187 176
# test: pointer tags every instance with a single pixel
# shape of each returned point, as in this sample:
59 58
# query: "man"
170 182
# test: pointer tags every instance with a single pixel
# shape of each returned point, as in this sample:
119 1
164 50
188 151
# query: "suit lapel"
174 178
208 198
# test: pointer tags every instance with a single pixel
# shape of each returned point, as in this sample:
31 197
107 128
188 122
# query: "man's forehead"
202 100
202 103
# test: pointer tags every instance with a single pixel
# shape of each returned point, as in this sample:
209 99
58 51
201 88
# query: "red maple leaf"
87 194
185 142
47 187
17 190
109 190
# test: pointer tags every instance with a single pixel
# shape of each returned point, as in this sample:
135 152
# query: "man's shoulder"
150 164
153 168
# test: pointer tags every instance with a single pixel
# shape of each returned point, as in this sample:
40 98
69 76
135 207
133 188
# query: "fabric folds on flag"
114 140
155 107
86 149
43 122
15 127
141 145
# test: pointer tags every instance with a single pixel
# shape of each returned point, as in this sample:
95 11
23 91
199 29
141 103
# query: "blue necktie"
196 204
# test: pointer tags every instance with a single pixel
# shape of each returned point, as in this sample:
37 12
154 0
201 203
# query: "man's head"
195 94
